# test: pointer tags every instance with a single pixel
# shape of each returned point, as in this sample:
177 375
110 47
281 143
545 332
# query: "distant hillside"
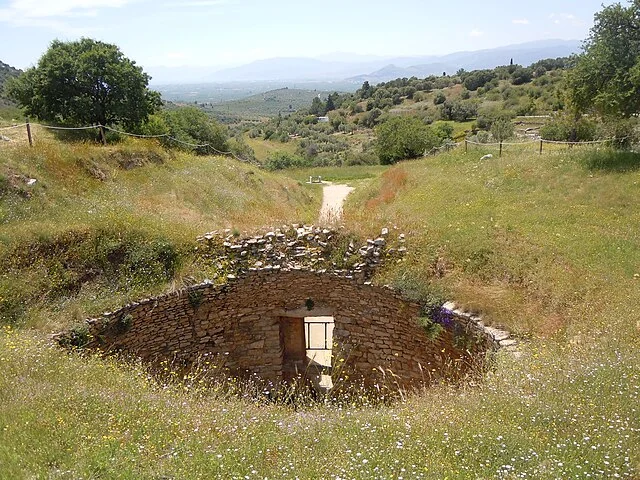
523 54
6 72
267 104
358 68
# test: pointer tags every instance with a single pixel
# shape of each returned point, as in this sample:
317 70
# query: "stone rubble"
301 247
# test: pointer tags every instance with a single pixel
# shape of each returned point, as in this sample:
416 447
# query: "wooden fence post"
500 149
102 135
541 147
29 133
466 146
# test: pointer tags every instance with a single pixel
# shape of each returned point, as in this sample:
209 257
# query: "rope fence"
447 147
540 142
48 127
135 134
102 129
13 127
210 148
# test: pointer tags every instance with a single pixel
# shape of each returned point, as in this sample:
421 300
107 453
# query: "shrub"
192 126
439 98
522 75
624 133
483 122
370 119
362 158
443 130
401 138
282 160
77 337
241 149
478 79
458 111
502 129
565 128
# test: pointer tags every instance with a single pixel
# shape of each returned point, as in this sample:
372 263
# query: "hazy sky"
231 32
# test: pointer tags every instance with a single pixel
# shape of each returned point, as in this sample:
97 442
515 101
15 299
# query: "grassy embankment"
545 245
104 225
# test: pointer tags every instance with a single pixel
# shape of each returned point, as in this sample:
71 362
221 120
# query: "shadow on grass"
611 161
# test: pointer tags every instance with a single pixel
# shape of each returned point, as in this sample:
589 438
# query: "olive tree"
606 77
85 82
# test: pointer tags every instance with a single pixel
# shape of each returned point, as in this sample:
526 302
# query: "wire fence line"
100 127
593 142
49 127
135 134
452 145
210 148
443 148
540 142
12 127
515 144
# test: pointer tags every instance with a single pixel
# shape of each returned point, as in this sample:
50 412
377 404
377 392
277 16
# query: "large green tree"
606 77
400 138
85 82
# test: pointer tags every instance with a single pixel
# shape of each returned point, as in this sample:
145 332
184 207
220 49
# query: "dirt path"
333 197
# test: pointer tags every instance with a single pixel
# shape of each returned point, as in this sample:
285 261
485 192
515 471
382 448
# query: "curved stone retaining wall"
376 331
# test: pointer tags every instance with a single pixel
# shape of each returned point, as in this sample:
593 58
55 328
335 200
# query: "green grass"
337 174
264 148
546 245
542 244
106 225
68 416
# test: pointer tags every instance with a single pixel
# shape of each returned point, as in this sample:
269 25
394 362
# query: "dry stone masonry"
301 247
279 278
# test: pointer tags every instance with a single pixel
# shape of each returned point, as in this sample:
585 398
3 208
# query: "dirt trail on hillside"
333 197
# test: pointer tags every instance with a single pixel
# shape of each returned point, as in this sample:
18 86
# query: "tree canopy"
606 77
85 82
192 125
401 138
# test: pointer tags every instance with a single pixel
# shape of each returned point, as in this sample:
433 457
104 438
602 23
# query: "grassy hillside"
465 105
102 225
546 245
264 148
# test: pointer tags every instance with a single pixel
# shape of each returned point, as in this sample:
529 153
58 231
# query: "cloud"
564 18
520 21
199 3
59 8
52 14
476 33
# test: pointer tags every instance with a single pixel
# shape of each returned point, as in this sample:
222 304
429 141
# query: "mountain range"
358 68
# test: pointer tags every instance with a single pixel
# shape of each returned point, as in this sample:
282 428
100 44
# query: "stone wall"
284 275
301 247
376 331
